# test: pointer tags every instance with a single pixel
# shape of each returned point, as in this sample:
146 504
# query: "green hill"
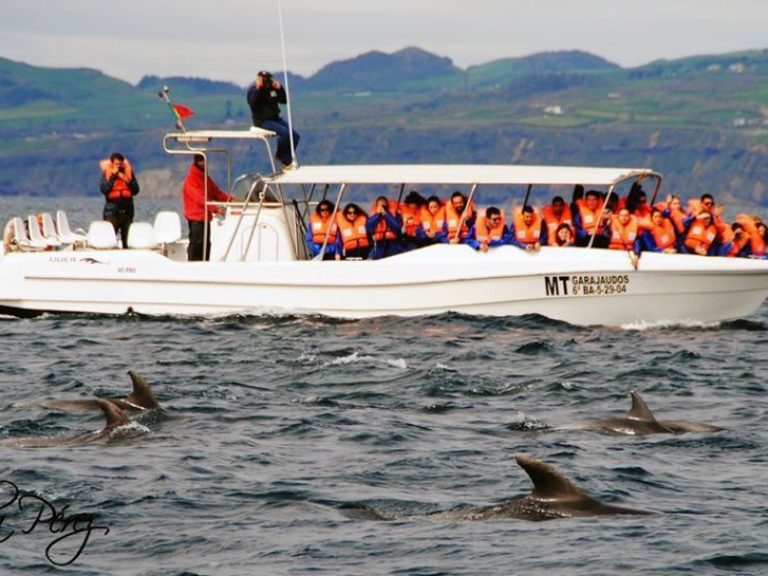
702 121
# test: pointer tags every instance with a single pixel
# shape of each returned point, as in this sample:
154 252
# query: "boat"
259 262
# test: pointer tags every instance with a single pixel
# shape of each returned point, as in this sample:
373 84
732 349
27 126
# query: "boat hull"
579 286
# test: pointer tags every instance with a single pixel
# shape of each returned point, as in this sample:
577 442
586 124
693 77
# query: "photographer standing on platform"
119 186
264 95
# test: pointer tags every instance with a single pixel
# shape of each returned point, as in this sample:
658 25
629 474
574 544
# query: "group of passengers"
621 223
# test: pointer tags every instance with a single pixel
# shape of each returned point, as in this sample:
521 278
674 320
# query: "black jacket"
264 103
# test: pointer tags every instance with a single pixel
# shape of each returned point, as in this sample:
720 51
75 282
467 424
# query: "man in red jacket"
195 208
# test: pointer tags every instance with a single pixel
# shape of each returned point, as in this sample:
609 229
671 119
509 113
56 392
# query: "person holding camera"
119 186
264 97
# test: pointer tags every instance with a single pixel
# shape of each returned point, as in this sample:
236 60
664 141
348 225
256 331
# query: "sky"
231 40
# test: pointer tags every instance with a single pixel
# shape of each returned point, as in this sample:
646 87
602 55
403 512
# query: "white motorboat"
259 261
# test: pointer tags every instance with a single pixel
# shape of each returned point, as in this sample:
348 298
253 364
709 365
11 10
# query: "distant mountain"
198 86
380 72
22 84
702 120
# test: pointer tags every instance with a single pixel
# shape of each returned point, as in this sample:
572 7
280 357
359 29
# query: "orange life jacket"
432 223
738 245
623 237
552 222
700 235
320 229
483 234
452 218
120 188
756 242
411 219
664 235
353 234
384 232
527 234
676 216
590 218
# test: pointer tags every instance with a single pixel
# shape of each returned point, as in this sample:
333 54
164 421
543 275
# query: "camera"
266 79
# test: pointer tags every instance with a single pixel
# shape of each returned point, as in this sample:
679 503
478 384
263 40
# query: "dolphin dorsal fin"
142 395
115 416
548 482
639 410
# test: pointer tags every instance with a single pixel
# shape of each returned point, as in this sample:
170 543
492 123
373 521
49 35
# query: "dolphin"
115 418
640 421
142 398
553 496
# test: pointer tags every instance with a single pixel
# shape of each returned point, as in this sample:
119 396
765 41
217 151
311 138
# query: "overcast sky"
233 39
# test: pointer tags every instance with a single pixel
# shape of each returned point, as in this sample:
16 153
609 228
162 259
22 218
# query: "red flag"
182 111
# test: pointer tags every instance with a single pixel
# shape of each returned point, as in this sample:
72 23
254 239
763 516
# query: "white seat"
167 227
48 228
101 235
15 237
141 235
66 235
36 237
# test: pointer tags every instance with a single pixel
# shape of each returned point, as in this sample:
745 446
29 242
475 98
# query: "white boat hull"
578 286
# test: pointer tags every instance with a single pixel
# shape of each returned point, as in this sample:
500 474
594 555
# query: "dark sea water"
272 425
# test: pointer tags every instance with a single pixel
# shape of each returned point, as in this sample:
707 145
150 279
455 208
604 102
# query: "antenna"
287 91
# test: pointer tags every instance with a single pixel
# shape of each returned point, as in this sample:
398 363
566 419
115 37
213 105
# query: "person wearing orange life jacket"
460 216
625 230
555 215
411 210
737 244
432 220
527 230
489 230
661 236
587 220
707 203
119 186
756 230
385 228
672 208
702 236
323 229
353 236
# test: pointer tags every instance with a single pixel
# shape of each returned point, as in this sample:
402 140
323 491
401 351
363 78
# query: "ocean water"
271 426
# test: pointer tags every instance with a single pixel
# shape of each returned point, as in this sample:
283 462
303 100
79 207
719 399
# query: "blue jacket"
384 248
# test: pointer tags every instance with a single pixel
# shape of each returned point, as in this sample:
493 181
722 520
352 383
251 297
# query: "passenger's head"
592 199
351 211
199 160
761 229
674 202
459 201
564 235
382 202
707 202
528 215
324 208
558 205
705 218
738 229
624 216
433 204
657 217
414 199
492 216
578 192
117 160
